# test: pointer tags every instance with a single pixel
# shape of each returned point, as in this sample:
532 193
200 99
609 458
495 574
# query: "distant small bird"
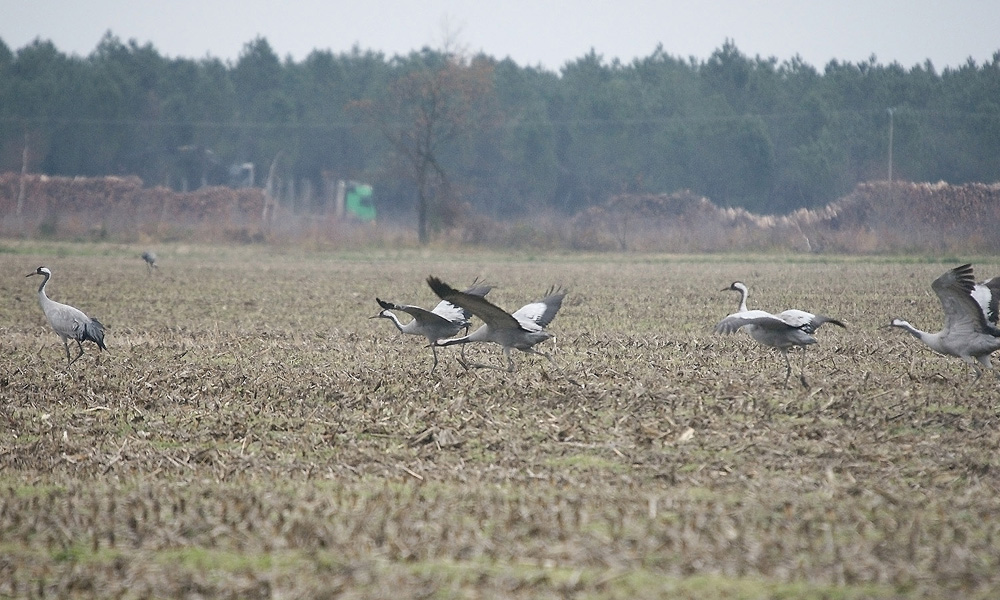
782 331
443 321
520 330
68 322
150 258
967 333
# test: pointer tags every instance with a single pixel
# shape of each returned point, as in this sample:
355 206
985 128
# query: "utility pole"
890 110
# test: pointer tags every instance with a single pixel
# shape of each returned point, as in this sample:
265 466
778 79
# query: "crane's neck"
743 298
465 339
482 334
41 288
386 314
931 339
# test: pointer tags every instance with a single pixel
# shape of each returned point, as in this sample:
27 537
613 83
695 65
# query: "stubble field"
253 434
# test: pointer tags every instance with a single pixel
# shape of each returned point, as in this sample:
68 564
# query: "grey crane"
67 321
967 333
443 321
782 331
520 330
150 258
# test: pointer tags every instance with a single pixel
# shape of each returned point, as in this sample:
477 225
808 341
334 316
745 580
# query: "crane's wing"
961 311
806 321
494 316
760 318
478 288
542 312
455 314
420 314
987 295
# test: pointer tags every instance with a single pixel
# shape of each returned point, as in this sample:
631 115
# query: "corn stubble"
252 434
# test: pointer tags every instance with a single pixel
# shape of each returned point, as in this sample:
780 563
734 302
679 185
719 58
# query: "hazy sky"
545 33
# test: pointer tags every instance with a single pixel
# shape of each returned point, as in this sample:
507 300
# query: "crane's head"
40 271
383 314
736 286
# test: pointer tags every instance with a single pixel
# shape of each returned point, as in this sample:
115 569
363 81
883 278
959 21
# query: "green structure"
358 202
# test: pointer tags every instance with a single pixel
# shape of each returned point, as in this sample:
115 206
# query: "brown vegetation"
121 208
874 218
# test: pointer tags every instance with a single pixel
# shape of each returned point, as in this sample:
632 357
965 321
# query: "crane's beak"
32 273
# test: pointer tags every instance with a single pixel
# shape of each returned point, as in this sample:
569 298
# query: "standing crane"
443 321
782 331
520 330
150 258
67 321
967 333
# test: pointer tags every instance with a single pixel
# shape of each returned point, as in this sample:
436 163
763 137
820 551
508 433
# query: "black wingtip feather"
442 289
94 331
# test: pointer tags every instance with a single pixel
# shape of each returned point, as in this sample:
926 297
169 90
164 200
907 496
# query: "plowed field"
253 434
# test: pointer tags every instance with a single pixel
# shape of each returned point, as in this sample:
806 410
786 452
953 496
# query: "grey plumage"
519 330
782 331
443 321
67 321
150 258
967 332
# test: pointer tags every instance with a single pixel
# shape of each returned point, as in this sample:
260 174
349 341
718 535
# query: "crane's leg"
435 351
972 363
69 362
462 351
802 372
509 369
80 345
788 371
540 353
985 361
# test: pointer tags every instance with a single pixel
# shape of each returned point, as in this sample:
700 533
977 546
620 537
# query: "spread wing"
987 295
961 311
538 315
454 313
806 321
494 316
760 318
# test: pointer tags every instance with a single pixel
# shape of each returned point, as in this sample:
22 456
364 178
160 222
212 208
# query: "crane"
150 258
520 330
967 333
67 321
782 331
444 320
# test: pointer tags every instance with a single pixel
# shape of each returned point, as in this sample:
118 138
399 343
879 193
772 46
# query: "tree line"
440 133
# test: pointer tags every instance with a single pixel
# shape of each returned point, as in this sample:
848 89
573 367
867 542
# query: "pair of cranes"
970 332
520 330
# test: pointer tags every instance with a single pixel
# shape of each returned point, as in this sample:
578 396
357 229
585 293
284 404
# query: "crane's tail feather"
94 331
